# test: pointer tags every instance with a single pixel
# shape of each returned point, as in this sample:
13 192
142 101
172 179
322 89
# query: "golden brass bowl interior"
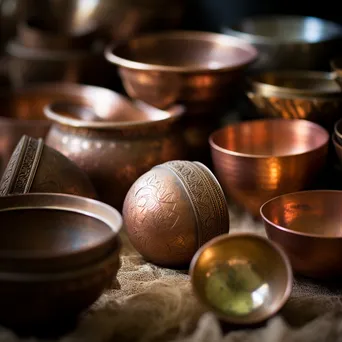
55 232
182 51
269 138
308 226
257 271
296 83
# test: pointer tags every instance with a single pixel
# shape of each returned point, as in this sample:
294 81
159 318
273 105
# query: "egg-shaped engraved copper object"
309 95
307 225
34 33
257 160
174 209
198 69
114 141
46 233
243 278
35 167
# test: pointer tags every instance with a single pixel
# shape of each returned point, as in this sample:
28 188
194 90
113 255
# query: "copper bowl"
242 278
22 110
307 225
198 69
35 167
47 233
309 95
33 33
172 210
257 160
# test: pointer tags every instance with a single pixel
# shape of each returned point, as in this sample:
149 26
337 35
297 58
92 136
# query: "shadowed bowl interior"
244 252
55 232
257 160
307 225
295 83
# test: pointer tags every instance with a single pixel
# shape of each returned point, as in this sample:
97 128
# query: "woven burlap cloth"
156 304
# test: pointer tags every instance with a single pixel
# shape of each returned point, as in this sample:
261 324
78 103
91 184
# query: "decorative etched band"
206 196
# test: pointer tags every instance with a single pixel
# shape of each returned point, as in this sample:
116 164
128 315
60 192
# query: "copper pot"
113 142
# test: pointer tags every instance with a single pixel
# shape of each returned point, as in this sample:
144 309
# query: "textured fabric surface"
156 304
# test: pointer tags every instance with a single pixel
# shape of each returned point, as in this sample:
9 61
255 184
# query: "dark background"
212 15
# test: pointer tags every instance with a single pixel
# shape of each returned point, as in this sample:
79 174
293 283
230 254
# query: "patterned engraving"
207 197
157 209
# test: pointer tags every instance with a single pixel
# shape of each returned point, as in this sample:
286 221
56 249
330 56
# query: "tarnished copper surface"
174 209
113 141
198 69
22 110
324 111
308 226
257 160
35 34
287 41
268 260
296 83
32 65
35 167
48 233
66 295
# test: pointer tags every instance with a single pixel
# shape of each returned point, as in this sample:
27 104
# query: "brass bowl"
286 41
242 278
198 69
22 110
257 160
172 210
47 233
307 225
35 167
313 96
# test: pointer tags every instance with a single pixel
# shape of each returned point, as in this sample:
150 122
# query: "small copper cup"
258 160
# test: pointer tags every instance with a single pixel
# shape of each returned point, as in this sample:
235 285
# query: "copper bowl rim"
266 89
63 202
193 35
218 148
315 236
232 319
336 130
15 49
175 113
67 275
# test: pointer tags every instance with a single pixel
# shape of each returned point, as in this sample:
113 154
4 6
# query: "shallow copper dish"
35 167
258 160
313 96
307 225
172 210
198 69
286 41
266 260
46 233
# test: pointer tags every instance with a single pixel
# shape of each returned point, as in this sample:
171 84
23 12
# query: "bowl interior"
198 50
270 138
243 278
37 232
316 213
307 81
290 28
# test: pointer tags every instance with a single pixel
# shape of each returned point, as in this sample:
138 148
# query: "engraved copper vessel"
67 292
309 95
198 69
174 209
307 225
35 167
113 141
257 160
256 252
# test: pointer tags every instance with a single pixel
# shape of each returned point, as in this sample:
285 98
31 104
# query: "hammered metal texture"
172 210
